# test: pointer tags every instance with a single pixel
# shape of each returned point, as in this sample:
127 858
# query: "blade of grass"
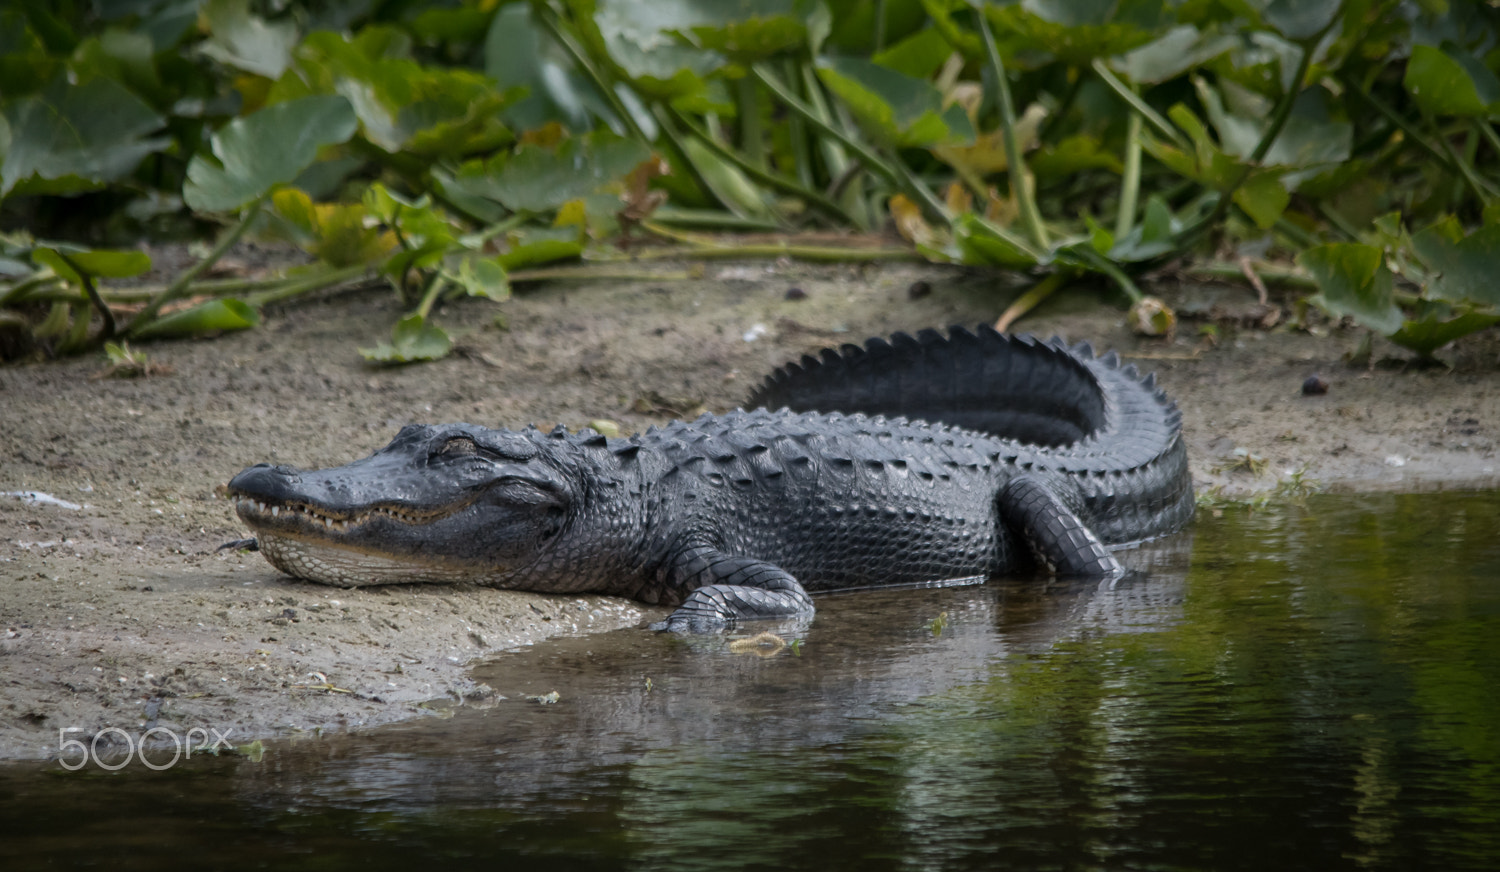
868 157
1165 127
1020 180
758 173
183 283
1130 182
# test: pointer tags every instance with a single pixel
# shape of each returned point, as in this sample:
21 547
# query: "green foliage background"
1347 147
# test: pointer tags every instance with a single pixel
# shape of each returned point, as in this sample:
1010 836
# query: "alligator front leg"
1055 534
728 589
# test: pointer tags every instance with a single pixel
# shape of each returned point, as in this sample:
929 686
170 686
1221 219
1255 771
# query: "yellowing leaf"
909 221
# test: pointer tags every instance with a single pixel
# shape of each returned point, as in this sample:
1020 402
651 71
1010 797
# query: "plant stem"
752 133
758 173
309 283
1032 298
710 249
841 170
1488 131
434 288
822 254
1130 184
1412 132
1167 128
869 158
1020 179
670 133
590 273
183 283
1466 169
1085 256
92 292
29 288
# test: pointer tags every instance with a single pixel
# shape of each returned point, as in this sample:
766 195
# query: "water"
1300 687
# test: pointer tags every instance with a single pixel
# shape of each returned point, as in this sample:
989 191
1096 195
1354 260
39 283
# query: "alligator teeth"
275 511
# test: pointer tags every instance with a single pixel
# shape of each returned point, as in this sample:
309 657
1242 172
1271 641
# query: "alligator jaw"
315 544
308 518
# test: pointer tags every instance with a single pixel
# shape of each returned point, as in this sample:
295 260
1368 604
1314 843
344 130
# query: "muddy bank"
119 612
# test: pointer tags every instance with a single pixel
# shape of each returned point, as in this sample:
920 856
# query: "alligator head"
412 511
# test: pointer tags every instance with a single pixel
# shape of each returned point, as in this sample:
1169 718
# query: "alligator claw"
688 624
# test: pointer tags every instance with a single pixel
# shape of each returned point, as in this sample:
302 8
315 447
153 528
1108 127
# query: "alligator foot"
1057 537
733 589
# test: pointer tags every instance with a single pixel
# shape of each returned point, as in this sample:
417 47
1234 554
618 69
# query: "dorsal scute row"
1069 408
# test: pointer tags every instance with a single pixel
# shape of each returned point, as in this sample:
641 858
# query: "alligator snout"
266 481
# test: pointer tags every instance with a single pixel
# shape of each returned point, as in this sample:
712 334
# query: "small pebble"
1315 386
918 290
796 294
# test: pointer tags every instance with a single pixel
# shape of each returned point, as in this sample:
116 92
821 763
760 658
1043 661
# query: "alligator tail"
1067 411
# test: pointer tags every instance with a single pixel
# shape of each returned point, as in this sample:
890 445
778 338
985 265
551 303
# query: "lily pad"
1450 81
1353 280
537 179
246 42
264 149
1435 328
76 137
1465 268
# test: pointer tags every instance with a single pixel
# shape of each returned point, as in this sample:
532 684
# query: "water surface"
1298 687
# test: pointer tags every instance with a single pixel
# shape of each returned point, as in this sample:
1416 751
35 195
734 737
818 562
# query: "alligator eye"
458 446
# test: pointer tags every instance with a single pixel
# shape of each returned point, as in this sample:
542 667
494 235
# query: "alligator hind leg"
727 590
1055 534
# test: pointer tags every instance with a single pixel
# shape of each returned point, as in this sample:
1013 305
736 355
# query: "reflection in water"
1309 687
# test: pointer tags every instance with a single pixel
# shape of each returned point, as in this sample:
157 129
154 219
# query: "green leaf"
1153 237
1076 31
245 42
1300 19
403 105
532 247
896 109
981 243
919 55
536 179
1172 54
412 340
752 30
635 36
105 263
77 137
211 317
519 54
1354 281
264 149
1072 155
1465 268
1450 81
733 188
1434 330
481 277
1263 197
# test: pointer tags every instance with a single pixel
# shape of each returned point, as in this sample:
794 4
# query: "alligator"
926 459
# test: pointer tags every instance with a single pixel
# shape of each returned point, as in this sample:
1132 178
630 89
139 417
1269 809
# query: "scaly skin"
740 516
